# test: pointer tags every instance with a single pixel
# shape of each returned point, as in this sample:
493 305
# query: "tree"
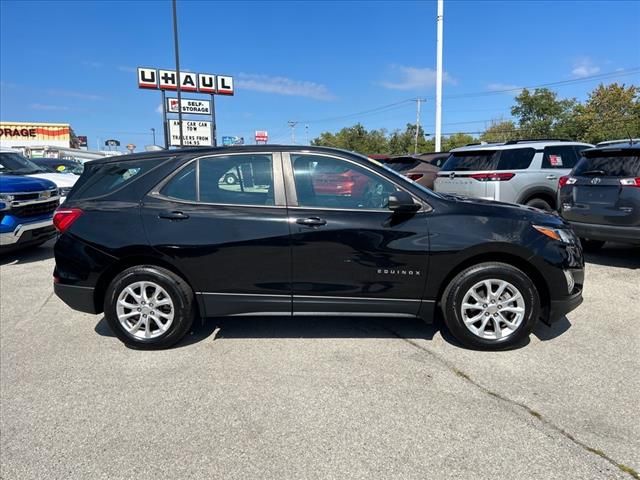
500 131
539 113
356 138
456 140
403 143
611 112
74 142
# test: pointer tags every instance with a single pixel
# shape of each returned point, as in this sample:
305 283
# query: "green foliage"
540 112
500 131
611 112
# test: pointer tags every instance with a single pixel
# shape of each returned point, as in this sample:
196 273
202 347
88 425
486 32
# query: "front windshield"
15 164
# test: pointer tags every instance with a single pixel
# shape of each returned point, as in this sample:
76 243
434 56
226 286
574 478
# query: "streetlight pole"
153 132
293 124
439 21
175 43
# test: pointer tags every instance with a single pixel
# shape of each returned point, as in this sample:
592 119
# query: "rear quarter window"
104 178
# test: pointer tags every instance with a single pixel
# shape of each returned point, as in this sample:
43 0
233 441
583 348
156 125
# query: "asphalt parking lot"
318 398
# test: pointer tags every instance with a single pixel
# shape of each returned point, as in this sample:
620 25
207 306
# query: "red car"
339 181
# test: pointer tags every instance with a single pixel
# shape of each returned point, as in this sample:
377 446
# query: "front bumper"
559 308
31 232
611 233
78 298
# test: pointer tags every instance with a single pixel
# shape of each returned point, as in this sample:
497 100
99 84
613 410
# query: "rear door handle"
551 177
174 215
311 221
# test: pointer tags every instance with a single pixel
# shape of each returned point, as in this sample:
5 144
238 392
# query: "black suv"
156 240
600 198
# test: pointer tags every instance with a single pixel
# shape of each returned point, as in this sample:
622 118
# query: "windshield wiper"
594 172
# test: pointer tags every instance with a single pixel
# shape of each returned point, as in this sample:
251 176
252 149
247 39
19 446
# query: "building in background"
21 134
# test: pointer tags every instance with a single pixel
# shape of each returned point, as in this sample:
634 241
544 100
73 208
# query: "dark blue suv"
26 211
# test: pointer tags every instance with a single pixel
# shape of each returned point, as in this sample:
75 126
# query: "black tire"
178 290
591 245
539 203
458 287
230 179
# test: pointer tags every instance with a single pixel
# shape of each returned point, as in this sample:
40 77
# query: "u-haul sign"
189 106
194 133
189 82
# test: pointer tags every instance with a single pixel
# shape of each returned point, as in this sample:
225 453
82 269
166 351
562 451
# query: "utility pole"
175 43
153 132
306 134
418 101
292 125
439 21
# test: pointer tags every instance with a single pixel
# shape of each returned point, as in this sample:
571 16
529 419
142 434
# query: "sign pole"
213 121
175 41
164 120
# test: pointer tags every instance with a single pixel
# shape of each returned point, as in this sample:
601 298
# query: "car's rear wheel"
591 245
539 203
148 307
491 306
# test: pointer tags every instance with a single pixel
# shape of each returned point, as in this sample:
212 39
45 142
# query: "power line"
395 105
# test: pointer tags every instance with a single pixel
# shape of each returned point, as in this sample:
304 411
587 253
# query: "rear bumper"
559 308
610 233
78 298
27 233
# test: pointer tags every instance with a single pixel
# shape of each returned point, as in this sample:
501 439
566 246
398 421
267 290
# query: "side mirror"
402 202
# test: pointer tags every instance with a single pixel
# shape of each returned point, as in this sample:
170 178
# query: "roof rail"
528 140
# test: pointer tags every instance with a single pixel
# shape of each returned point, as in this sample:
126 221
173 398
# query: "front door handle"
174 215
551 177
311 222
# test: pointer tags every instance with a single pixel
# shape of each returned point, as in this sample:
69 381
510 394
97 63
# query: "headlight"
559 234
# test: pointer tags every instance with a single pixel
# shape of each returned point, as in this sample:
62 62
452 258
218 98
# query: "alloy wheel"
493 309
145 310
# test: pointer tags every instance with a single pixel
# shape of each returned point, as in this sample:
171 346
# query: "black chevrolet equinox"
156 240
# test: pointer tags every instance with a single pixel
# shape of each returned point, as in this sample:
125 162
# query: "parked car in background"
518 171
13 163
26 211
600 198
189 245
624 141
422 169
60 166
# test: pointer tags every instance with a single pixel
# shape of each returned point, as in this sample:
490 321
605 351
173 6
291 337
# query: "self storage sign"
189 106
194 133
156 79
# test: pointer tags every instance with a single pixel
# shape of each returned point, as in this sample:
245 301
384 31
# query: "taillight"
630 182
63 219
415 176
492 177
566 180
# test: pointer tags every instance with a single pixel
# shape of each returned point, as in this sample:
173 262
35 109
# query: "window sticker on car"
555 160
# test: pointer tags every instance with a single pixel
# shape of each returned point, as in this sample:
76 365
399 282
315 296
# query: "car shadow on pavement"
28 255
616 255
227 328
299 327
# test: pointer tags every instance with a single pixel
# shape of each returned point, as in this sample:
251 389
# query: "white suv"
518 171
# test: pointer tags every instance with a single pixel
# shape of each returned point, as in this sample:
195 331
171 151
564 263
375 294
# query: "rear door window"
559 157
515 158
618 164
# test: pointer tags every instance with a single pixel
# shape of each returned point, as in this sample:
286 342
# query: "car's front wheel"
491 306
149 307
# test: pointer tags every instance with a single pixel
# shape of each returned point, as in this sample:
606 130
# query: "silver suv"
518 171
